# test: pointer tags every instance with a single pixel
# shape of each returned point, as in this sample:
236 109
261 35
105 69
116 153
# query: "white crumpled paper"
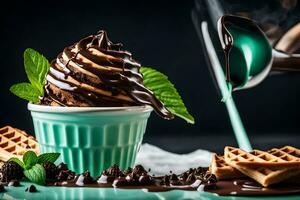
161 162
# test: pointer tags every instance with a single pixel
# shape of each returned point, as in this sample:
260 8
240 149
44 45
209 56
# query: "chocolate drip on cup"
97 73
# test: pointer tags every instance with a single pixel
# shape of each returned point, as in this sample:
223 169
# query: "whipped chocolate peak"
96 72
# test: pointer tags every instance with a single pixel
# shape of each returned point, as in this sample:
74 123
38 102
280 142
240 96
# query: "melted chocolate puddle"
192 180
248 187
238 187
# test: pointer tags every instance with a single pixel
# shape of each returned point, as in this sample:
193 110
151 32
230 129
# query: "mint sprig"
165 91
36 68
33 165
51 157
29 159
25 91
36 174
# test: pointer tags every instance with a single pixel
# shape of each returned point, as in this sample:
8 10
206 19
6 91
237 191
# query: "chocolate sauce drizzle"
227 42
97 72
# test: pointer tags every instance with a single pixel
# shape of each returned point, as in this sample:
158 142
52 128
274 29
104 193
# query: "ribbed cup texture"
91 141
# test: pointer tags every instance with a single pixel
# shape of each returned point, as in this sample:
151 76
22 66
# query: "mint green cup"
91 138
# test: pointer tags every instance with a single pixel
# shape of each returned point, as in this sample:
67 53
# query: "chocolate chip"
191 170
174 180
62 166
85 178
191 178
88 178
121 181
65 175
200 171
132 178
210 178
174 177
139 169
31 188
115 171
166 180
145 179
183 176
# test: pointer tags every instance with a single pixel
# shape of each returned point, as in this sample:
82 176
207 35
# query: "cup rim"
59 109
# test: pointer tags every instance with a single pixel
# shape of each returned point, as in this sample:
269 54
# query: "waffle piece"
277 158
265 175
14 143
222 170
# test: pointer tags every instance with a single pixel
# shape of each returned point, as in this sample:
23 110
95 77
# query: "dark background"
160 34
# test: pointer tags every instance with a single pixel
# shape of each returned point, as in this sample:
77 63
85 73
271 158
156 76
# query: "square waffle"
14 143
264 174
284 157
222 170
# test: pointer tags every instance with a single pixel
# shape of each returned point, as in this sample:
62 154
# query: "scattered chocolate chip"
139 169
191 178
166 180
2 189
11 170
174 180
132 178
51 170
137 176
62 166
174 177
145 179
200 171
190 171
85 178
183 176
14 183
28 147
115 171
31 188
211 178
121 181
65 175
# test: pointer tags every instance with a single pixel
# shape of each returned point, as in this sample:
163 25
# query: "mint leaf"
36 174
51 157
18 161
165 91
36 67
25 91
30 159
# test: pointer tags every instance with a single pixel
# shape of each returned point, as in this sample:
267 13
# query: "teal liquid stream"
236 122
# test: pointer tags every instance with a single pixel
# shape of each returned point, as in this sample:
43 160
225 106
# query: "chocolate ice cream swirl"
96 72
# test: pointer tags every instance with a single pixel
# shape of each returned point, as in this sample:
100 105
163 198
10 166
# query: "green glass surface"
76 193
91 141
250 54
